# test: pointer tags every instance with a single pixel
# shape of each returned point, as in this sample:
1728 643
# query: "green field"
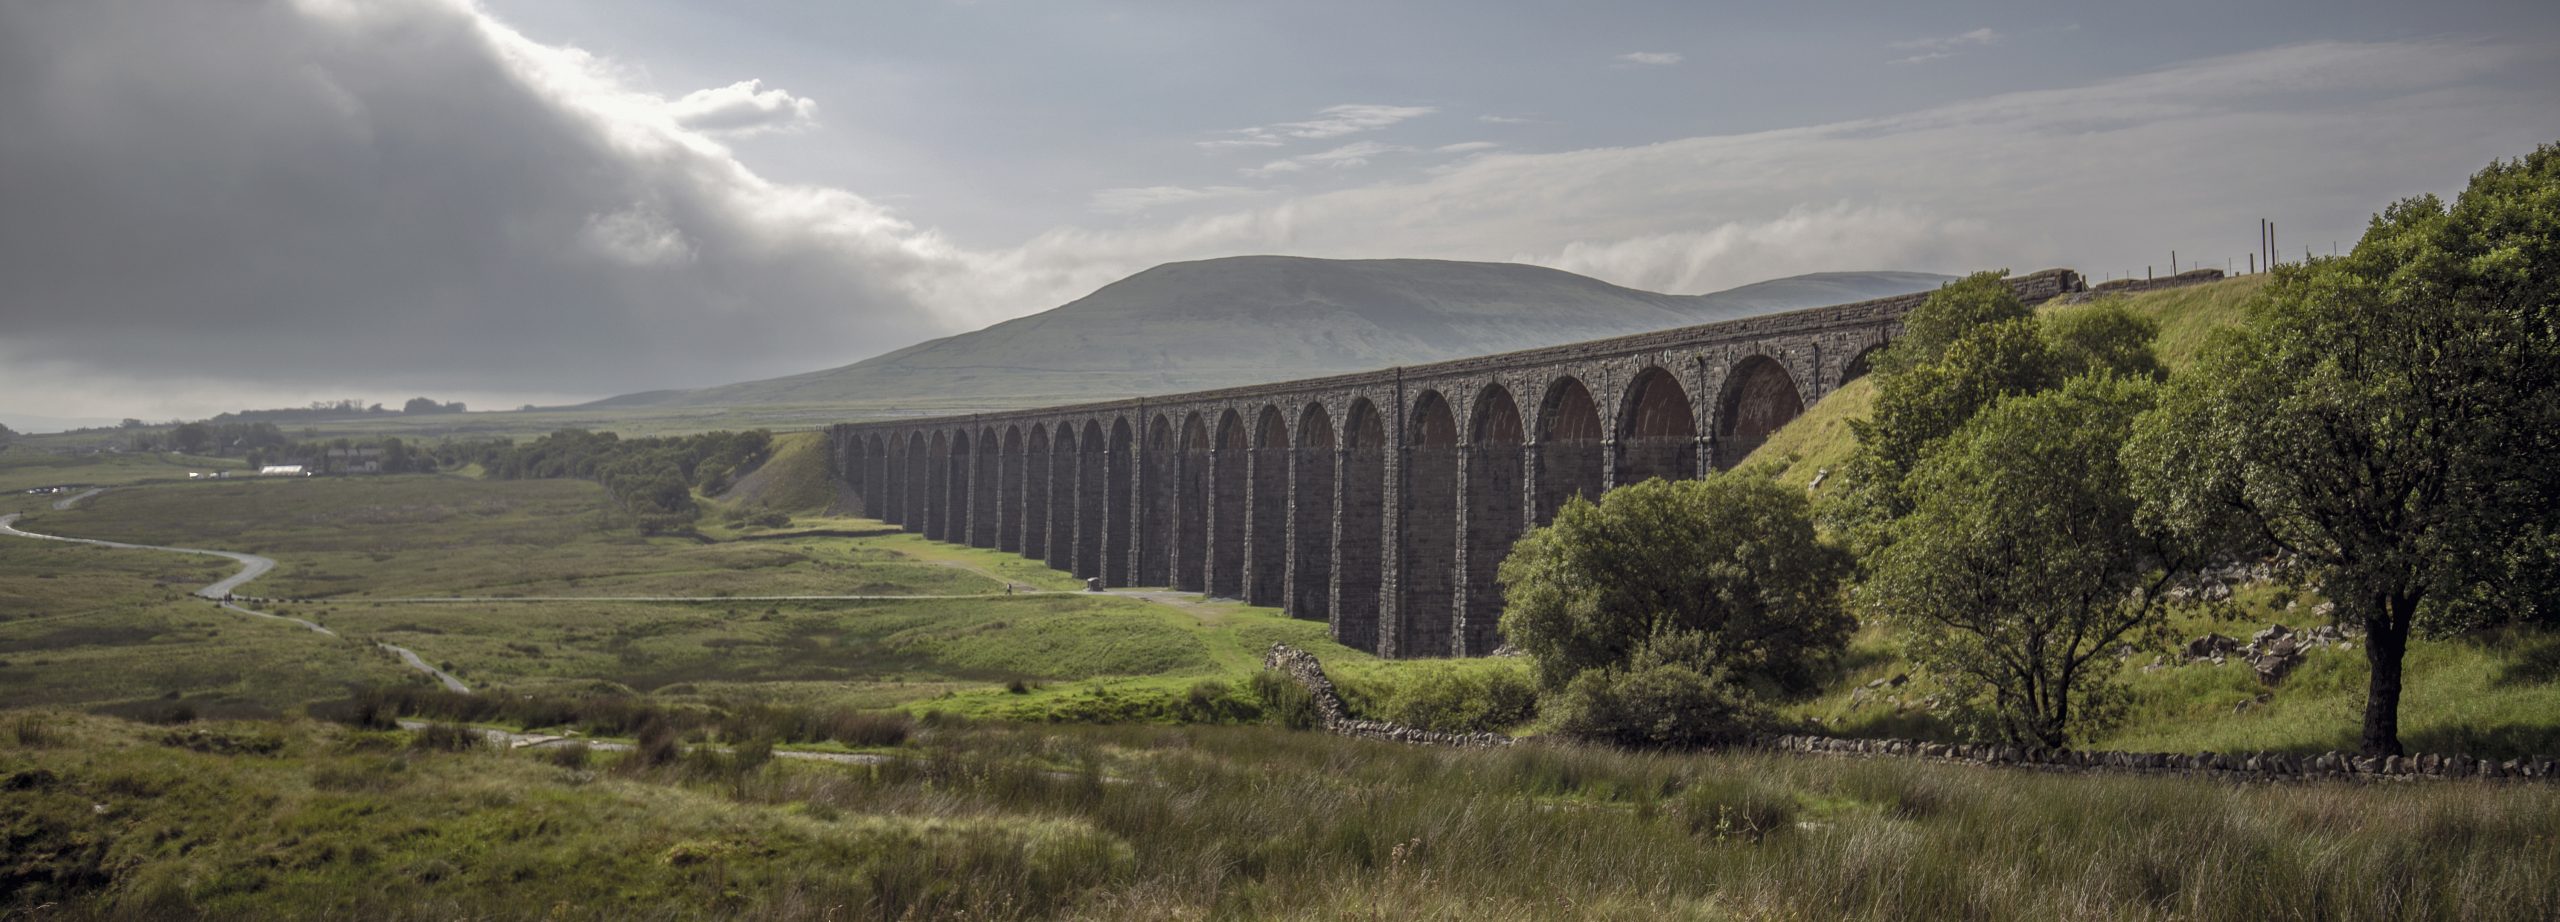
308 820
560 592
23 468
116 631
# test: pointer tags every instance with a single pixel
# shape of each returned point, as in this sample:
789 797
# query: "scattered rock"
2273 652
2211 646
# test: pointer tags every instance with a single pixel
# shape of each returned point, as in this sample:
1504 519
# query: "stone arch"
1657 430
1009 491
1428 543
1495 516
1759 397
937 474
1035 494
1569 451
1156 467
1312 479
1859 364
1092 463
1191 507
884 482
958 466
1267 532
849 463
1359 544
1063 461
1229 495
917 482
1119 515
982 490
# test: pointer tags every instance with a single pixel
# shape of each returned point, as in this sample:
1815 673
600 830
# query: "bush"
1656 706
1210 701
656 746
30 730
1285 702
1462 700
1732 559
572 755
447 738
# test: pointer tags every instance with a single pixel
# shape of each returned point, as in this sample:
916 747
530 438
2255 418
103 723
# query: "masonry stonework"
1382 502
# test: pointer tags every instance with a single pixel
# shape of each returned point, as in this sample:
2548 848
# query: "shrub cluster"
622 714
653 478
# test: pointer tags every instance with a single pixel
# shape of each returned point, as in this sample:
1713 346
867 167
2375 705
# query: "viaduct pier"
1379 502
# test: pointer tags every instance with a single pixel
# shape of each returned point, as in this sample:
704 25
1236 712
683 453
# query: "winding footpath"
252 566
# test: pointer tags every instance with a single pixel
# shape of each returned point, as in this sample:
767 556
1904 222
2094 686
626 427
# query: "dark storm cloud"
399 192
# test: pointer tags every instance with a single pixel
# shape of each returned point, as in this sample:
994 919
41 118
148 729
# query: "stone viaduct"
1378 502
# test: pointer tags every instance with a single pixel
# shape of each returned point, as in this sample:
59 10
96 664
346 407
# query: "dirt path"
65 504
252 566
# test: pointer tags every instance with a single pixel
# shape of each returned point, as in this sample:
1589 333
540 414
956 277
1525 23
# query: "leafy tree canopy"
2389 419
1716 576
2020 567
1966 347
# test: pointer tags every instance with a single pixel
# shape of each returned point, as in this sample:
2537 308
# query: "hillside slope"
1819 439
1250 319
2488 694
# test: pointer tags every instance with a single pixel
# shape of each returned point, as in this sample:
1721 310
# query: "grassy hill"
1819 439
1252 319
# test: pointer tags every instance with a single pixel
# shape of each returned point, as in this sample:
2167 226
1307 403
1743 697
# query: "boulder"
2210 646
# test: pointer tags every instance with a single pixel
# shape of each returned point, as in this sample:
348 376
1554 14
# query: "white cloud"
1805 238
1349 156
2097 177
1132 200
1465 147
1331 122
744 107
639 235
1652 58
1504 120
1933 49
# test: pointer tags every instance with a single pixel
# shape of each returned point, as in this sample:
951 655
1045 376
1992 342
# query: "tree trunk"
2386 642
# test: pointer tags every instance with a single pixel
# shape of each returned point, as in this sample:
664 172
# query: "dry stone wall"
1302 667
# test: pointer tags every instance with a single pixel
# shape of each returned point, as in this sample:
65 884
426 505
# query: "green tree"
2020 568
2388 419
1965 347
1722 575
192 438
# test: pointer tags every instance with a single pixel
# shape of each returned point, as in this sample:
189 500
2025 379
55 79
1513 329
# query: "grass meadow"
300 819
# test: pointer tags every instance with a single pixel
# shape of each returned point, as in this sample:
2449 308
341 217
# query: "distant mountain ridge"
1254 319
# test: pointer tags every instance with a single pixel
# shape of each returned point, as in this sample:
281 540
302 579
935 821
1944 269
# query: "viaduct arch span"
1379 502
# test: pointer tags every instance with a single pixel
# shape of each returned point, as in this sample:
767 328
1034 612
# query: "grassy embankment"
2492 694
299 819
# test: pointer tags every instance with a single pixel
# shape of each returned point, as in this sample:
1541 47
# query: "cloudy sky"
212 205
